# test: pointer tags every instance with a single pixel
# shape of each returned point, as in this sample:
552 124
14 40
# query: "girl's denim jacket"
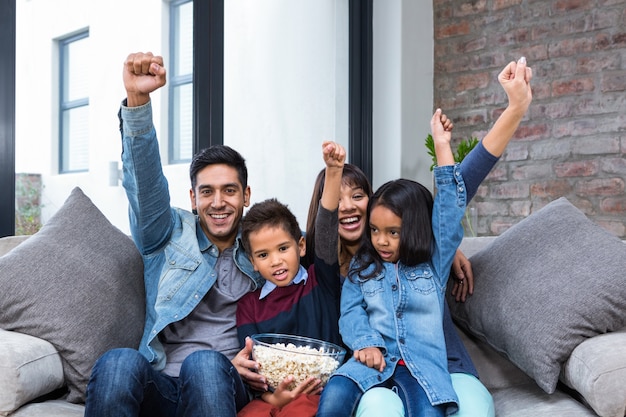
400 311
177 273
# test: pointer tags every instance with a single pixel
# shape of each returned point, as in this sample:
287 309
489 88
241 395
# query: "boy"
293 300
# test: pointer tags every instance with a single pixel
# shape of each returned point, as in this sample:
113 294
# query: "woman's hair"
413 203
268 213
351 176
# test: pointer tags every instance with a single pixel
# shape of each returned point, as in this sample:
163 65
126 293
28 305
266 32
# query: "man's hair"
218 154
268 213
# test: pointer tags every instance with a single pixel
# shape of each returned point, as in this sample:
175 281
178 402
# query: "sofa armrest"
597 370
9 242
29 368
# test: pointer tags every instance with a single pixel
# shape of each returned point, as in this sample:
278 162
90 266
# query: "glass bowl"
281 355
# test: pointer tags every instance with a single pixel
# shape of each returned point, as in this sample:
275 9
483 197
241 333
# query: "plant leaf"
465 147
430 146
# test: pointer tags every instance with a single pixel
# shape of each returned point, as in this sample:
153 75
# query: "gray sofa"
591 380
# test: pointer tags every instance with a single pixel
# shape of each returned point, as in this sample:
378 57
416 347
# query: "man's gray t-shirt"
212 324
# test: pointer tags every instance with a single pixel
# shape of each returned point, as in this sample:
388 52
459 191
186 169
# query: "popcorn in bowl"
281 355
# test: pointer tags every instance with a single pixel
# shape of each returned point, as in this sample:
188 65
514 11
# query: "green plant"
465 146
27 204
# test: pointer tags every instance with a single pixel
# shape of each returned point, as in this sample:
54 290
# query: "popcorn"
279 360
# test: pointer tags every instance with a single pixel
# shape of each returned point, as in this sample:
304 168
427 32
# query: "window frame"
66 105
175 82
7 116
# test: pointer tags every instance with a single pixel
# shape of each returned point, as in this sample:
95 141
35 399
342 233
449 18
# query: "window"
180 82
74 103
285 90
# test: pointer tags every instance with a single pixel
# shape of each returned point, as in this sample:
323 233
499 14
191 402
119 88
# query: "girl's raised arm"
441 128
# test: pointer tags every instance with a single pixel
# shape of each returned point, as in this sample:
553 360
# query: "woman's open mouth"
350 223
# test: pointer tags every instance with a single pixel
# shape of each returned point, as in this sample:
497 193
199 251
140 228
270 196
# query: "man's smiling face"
219 199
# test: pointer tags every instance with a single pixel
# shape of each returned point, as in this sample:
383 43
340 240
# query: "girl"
392 302
352 215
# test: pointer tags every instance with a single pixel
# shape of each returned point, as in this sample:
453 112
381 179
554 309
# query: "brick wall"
572 142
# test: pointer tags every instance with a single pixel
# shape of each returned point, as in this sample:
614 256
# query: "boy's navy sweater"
310 308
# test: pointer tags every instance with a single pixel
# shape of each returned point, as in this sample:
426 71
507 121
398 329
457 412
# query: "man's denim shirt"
179 261
401 310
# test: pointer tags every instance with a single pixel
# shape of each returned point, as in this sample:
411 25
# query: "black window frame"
7 116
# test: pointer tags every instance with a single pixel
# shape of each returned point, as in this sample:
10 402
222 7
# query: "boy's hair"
351 176
413 203
268 213
218 154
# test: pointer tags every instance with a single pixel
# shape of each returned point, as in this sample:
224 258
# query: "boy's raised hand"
515 79
143 73
334 154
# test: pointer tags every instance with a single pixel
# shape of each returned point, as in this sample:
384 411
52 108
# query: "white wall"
286 90
112 36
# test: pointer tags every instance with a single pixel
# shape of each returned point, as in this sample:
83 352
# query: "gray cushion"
597 370
543 287
29 368
77 283
50 408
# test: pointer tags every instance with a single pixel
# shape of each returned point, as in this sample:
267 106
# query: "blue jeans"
341 396
124 384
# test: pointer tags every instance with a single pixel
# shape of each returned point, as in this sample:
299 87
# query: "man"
195 271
